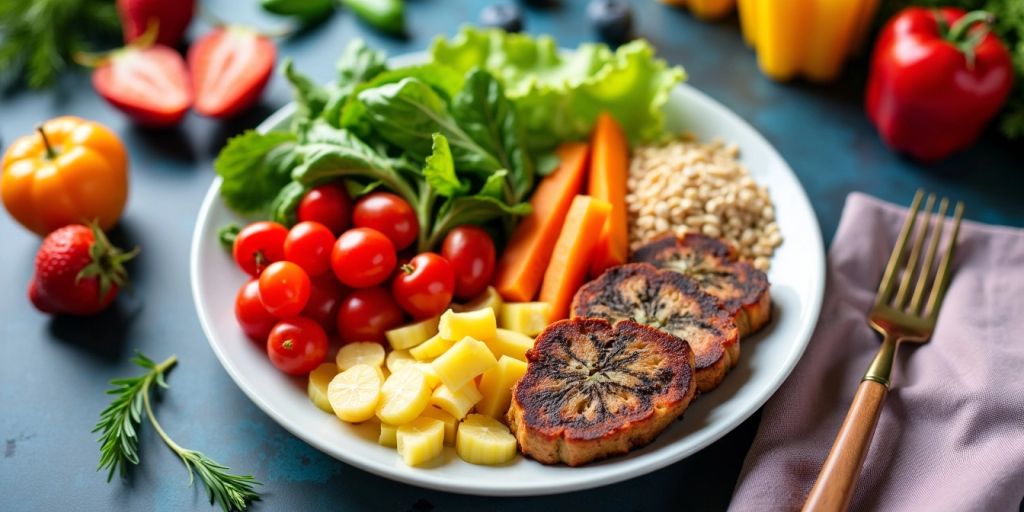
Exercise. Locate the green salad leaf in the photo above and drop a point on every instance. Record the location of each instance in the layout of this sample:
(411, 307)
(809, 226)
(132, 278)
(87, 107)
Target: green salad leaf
(439, 172)
(560, 95)
(255, 167)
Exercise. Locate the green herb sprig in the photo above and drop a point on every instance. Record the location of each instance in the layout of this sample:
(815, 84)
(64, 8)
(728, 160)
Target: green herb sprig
(119, 441)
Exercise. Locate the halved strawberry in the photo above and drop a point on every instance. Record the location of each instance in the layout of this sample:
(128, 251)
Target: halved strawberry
(230, 67)
(149, 84)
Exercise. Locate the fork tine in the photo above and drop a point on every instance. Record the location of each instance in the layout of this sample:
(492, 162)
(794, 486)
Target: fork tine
(903, 292)
(929, 258)
(889, 277)
(942, 278)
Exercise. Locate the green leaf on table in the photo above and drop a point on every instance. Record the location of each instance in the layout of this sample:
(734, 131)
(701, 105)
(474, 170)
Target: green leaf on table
(439, 171)
(254, 167)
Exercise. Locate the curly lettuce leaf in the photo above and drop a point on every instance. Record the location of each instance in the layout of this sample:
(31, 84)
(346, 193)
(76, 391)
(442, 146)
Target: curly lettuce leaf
(560, 95)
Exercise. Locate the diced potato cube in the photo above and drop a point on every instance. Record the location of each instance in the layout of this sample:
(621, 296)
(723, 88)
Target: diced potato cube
(411, 335)
(354, 393)
(388, 435)
(529, 318)
(403, 396)
(362, 352)
(510, 343)
(464, 361)
(430, 373)
(431, 348)
(397, 359)
(484, 440)
(450, 423)
(319, 379)
(420, 440)
(496, 387)
(458, 402)
(480, 324)
(489, 299)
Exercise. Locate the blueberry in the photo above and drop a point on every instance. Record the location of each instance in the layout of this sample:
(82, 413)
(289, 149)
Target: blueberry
(504, 16)
(613, 19)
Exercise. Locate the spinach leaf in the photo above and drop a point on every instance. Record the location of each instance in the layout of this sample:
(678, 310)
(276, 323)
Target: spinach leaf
(439, 171)
(489, 118)
(254, 167)
(409, 112)
(310, 98)
(476, 209)
(360, 63)
(282, 208)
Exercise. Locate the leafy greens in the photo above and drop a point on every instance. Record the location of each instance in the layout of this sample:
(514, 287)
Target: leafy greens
(460, 138)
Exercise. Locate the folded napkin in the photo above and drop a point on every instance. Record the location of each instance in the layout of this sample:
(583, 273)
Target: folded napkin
(951, 434)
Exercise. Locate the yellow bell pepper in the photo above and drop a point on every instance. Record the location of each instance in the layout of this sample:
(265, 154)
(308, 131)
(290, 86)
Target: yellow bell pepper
(706, 9)
(809, 38)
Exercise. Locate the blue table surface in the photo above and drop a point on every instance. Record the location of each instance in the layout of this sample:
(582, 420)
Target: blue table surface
(53, 371)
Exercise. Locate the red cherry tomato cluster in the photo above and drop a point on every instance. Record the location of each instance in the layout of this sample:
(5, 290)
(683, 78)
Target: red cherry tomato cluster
(339, 270)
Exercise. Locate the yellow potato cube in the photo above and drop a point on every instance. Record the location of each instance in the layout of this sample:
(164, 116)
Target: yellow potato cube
(450, 423)
(411, 335)
(397, 359)
(430, 373)
(319, 379)
(458, 402)
(431, 348)
(480, 324)
(388, 435)
(354, 393)
(464, 361)
(420, 440)
(489, 299)
(485, 441)
(496, 386)
(403, 396)
(529, 318)
(510, 343)
(363, 352)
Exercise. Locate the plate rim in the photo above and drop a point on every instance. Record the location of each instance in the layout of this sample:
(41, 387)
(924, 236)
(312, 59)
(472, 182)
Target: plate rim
(430, 480)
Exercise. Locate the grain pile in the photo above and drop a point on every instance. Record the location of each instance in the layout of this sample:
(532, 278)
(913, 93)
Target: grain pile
(689, 186)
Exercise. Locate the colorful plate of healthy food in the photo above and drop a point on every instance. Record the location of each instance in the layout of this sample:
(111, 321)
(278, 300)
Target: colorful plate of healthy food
(499, 268)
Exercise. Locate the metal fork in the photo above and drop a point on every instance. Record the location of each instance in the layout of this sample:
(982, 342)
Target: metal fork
(897, 321)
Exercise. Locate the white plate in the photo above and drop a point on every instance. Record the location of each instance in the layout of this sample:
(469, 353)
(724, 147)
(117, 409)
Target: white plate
(797, 278)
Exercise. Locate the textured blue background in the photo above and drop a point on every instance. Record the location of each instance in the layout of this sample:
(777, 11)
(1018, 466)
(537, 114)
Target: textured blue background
(53, 371)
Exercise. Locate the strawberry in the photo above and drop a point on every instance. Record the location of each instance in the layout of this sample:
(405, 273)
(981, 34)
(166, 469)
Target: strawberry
(77, 272)
(171, 16)
(150, 84)
(230, 67)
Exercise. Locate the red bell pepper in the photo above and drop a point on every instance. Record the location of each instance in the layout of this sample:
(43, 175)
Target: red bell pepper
(937, 77)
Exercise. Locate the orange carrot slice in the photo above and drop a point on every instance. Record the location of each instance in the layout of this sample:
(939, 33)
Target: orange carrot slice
(573, 252)
(524, 260)
(609, 166)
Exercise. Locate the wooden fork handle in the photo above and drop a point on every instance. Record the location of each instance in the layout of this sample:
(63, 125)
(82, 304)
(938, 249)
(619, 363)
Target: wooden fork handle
(838, 477)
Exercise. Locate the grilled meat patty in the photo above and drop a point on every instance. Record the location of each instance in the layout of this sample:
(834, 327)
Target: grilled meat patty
(671, 302)
(593, 390)
(713, 264)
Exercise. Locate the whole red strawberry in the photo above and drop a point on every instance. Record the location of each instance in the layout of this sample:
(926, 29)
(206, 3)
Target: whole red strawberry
(78, 271)
(172, 17)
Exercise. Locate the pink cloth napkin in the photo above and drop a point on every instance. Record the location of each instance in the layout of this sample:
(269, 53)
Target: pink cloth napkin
(951, 434)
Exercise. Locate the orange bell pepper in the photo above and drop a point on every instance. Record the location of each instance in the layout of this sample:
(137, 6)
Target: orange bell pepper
(70, 171)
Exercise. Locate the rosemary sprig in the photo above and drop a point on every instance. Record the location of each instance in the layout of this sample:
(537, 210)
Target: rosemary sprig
(119, 440)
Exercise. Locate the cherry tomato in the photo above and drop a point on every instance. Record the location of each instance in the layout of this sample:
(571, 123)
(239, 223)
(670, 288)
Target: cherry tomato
(325, 296)
(471, 250)
(424, 286)
(309, 245)
(363, 257)
(259, 244)
(255, 320)
(366, 313)
(297, 345)
(284, 289)
(388, 214)
(329, 205)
